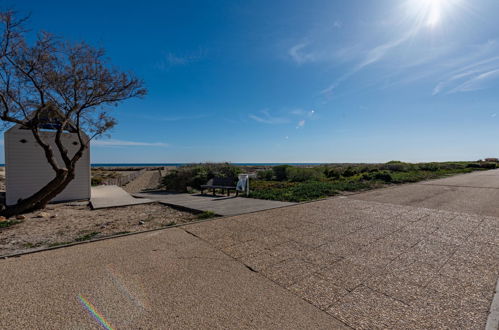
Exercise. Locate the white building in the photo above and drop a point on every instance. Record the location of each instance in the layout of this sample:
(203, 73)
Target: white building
(27, 169)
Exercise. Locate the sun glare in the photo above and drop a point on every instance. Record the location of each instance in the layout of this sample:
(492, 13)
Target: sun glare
(435, 13)
(431, 13)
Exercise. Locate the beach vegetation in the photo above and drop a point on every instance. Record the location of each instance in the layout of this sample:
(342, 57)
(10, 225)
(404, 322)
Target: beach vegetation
(193, 176)
(299, 184)
(206, 215)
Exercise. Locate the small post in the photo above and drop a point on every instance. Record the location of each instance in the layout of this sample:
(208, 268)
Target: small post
(247, 186)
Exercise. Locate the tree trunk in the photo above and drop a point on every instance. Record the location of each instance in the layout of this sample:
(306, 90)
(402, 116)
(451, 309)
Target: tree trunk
(40, 199)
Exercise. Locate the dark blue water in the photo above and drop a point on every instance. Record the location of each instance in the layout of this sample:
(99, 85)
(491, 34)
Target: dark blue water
(183, 164)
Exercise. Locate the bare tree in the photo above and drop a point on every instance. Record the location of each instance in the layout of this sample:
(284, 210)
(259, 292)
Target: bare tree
(68, 85)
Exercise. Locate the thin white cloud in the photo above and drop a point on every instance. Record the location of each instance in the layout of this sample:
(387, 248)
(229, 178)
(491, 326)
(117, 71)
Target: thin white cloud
(170, 59)
(477, 82)
(302, 112)
(299, 56)
(468, 77)
(122, 143)
(267, 118)
(372, 56)
(301, 123)
(175, 118)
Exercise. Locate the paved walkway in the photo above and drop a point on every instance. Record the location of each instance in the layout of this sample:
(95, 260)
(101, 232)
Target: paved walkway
(160, 280)
(371, 265)
(113, 196)
(221, 205)
(148, 180)
(474, 193)
(339, 262)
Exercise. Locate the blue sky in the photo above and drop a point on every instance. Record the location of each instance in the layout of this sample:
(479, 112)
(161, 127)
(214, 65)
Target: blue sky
(294, 81)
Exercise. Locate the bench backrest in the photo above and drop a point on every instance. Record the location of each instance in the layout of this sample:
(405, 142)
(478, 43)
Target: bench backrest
(219, 181)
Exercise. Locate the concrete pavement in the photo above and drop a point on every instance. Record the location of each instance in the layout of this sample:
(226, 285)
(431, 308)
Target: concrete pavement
(113, 196)
(379, 259)
(160, 280)
(371, 265)
(221, 205)
(474, 193)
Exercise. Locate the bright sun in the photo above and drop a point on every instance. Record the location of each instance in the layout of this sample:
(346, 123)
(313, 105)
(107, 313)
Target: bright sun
(431, 12)
(435, 12)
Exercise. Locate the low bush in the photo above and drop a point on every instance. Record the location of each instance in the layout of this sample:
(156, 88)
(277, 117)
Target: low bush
(488, 165)
(8, 223)
(384, 176)
(303, 191)
(179, 180)
(265, 175)
(206, 215)
(303, 174)
(96, 181)
(397, 166)
(333, 173)
(429, 167)
(281, 172)
(349, 172)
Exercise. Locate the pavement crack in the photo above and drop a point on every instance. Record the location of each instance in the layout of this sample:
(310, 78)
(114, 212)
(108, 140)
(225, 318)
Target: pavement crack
(251, 268)
(191, 233)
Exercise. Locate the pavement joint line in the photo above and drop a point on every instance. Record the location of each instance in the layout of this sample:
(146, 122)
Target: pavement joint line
(493, 318)
(267, 278)
(454, 185)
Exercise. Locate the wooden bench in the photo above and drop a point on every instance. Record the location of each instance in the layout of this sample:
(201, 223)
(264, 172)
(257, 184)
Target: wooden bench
(220, 183)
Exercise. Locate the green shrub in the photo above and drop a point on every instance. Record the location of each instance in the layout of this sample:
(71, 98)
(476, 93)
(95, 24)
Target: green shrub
(8, 223)
(383, 176)
(333, 173)
(488, 165)
(96, 181)
(206, 215)
(265, 175)
(280, 172)
(473, 165)
(303, 174)
(194, 176)
(432, 167)
(177, 180)
(349, 172)
(397, 166)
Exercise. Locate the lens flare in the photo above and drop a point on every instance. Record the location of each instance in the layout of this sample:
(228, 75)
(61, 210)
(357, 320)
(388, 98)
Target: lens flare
(96, 315)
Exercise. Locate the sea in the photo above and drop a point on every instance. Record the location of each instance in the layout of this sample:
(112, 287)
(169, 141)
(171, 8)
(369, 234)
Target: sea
(184, 164)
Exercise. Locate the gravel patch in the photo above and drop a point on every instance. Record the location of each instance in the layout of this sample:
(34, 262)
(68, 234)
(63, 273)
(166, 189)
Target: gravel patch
(65, 223)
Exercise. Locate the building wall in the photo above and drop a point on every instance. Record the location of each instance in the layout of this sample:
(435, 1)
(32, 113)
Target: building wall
(27, 169)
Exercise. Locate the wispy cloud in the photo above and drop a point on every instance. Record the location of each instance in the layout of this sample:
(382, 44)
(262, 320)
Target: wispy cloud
(301, 123)
(176, 118)
(122, 143)
(300, 56)
(472, 73)
(266, 118)
(372, 56)
(302, 112)
(171, 59)
(477, 82)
